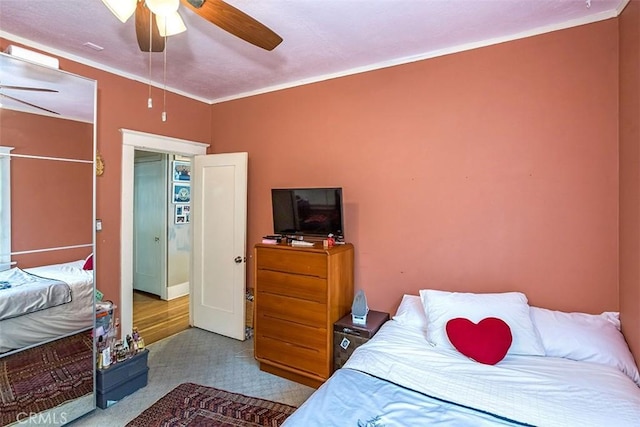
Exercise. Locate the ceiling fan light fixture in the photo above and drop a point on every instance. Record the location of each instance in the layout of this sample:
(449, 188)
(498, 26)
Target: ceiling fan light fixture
(163, 7)
(122, 9)
(196, 3)
(170, 25)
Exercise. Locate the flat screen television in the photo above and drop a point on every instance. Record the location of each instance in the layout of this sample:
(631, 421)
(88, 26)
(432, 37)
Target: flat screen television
(307, 211)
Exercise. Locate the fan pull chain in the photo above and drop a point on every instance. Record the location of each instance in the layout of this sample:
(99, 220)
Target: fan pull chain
(149, 100)
(164, 80)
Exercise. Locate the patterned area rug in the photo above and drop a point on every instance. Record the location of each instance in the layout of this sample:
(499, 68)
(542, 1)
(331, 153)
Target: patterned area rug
(196, 405)
(46, 376)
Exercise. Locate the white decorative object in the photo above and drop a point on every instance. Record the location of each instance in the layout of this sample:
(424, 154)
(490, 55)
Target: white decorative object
(359, 309)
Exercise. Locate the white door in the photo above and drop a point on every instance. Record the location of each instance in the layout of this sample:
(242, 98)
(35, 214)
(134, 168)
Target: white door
(219, 223)
(149, 224)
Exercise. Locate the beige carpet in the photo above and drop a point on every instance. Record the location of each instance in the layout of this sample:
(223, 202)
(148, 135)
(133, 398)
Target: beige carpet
(203, 358)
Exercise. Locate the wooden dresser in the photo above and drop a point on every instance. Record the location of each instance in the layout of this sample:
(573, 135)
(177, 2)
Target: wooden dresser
(300, 292)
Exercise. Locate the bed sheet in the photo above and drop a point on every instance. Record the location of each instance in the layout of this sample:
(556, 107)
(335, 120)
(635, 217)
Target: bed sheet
(44, 325)
(353, 398)
(530, 390)
(22, 292)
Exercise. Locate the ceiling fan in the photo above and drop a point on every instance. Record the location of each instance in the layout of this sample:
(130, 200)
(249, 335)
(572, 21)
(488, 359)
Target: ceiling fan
(157, 19)
(33, 89)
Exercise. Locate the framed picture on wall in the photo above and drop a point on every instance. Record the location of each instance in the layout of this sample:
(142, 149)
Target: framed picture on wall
(181, 193)
(181, 171)
(182, 215)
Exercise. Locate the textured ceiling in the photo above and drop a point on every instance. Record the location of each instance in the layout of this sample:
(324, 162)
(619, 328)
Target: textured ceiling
(322, 38)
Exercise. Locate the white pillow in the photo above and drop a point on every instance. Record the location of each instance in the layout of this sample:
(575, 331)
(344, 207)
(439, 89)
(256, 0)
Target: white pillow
(511, 307)
(411, 313)
(585, 337)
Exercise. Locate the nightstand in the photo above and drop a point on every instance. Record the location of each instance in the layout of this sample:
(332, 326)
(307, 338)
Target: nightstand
(348, 336)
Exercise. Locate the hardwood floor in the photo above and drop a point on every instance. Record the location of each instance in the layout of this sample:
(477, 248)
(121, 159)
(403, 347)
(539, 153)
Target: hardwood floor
(157, 319)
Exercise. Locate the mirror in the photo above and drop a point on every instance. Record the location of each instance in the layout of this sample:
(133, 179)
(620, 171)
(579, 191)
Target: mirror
(47, 217)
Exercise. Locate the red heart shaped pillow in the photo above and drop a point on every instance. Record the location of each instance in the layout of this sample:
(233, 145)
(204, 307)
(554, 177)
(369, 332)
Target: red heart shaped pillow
(88, 263)
(486, 342)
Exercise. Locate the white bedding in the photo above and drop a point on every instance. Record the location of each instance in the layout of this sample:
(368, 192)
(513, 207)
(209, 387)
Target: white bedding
(23, 292)
(43, 325)
(535, 390)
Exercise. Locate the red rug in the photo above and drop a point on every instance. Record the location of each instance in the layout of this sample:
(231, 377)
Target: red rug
(196, 405)
(46, 376)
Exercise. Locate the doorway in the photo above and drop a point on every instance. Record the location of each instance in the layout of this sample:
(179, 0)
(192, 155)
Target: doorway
(161, 246)
(131, 142)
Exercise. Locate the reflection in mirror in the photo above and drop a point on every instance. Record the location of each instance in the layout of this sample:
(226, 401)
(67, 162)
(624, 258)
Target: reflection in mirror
(47, 217)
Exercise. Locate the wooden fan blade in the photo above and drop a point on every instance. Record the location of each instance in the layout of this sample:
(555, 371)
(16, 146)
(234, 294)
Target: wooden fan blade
(144, 19)
(29, 104)
(36, 89)
(235, 22)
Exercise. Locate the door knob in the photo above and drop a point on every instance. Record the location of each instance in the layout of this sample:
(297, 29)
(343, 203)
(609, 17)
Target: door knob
(157, 239)
(238, 259)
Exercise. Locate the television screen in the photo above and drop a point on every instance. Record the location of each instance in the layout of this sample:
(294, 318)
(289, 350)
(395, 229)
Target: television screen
(307, 211)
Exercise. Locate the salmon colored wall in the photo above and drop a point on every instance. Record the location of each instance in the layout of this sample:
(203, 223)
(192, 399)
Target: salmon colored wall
(489, 170)
(51, 204)
(630, 175)
(45, 135)
(51, 257)
(51, 201)
(122, 103)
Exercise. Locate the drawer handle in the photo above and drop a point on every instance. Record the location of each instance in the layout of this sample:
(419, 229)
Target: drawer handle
(351, 331)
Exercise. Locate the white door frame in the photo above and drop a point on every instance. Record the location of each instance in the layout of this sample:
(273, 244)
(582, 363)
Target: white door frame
(131, 141)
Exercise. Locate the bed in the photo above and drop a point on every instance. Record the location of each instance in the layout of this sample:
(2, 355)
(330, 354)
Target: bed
(581, 372)
(62, 303)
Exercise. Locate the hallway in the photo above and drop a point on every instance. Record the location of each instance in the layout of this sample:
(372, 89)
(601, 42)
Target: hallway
(157, 319)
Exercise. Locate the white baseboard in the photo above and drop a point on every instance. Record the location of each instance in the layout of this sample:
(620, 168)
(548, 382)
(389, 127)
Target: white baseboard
(177, 291)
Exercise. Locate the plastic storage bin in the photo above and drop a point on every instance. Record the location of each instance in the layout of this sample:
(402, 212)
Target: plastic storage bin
(121, 379)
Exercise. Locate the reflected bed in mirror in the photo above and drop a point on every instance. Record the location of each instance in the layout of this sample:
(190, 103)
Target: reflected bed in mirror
(47, 217)
(43, 303)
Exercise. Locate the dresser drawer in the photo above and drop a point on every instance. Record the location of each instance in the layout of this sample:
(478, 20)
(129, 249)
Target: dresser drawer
(297, 286)
(295, 262)
(292, 309)
(299, 293)
(293, 333)
(306, 359)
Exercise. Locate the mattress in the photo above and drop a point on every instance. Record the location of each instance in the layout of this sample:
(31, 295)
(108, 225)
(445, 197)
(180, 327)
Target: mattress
(74, 316)
(397, 378)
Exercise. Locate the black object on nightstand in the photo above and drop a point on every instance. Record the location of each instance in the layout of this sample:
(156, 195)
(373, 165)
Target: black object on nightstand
(121, 379)
(347, 336)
